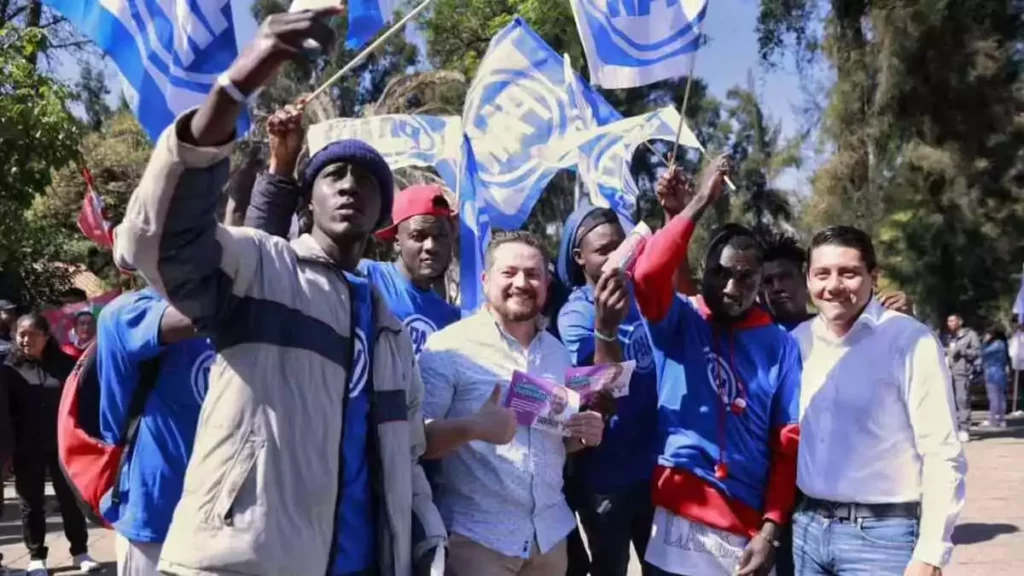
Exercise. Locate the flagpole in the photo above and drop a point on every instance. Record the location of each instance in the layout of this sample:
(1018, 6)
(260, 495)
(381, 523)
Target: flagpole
(364, 54)
(682, 111)
(682, 122)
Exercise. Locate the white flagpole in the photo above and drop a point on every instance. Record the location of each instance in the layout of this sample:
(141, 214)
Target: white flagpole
(365, 53)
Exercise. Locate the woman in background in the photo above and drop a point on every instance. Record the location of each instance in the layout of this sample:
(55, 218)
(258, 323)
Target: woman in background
(995, 360)
(34, 375)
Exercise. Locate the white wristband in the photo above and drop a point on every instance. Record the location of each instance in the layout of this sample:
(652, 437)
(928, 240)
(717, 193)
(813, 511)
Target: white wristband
(224, 82)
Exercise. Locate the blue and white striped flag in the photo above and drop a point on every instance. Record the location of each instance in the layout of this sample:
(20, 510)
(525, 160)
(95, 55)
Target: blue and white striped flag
(516, 113)
(637, 42)
(403, 139)
(169, 52)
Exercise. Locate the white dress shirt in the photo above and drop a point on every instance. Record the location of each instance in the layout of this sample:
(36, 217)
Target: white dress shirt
(502, 497)
(876, 424)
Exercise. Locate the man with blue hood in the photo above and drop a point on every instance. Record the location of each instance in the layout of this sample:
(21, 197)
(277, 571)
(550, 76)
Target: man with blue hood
(600, 323)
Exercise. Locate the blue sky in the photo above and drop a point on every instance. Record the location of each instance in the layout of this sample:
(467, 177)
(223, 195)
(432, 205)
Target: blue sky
(723, 63)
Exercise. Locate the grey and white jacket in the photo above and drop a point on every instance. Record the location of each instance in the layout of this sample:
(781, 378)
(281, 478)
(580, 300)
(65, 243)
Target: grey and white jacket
(262, 485)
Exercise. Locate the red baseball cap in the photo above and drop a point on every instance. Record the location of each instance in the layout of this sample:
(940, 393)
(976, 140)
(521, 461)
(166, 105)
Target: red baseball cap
(418, 200)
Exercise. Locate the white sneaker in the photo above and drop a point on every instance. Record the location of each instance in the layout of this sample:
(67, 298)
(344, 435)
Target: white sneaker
(37, 568)
(986, 424)
(963, 436)
(86, 564)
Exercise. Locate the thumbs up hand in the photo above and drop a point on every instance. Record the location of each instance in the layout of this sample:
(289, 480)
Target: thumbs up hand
(494, 423)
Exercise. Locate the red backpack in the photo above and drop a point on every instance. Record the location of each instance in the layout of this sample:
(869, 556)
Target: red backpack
(91, 466)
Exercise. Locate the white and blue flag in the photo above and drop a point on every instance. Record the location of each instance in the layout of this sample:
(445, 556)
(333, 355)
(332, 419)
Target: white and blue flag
(637, 42)
(516, 114)
(169, 52)
(474, 229)
(607, 151)
(403, 139)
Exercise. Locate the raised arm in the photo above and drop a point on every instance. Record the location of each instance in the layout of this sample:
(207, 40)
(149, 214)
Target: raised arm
(170, 233)
(930, 405)
(276, 193)
(662, 256)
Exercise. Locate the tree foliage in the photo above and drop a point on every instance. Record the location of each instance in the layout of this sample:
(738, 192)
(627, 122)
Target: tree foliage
(37, 134)
(923, 122)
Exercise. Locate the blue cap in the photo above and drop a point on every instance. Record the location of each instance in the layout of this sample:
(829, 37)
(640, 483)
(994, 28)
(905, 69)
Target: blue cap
(359, 153)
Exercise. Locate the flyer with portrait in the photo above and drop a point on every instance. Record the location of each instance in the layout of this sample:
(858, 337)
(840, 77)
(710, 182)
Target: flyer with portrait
(589, 380)
(541, 404)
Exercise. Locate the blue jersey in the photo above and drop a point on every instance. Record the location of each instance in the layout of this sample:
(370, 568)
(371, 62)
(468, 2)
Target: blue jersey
(626, 454)
(422, 312)
(128, 334)
(354, 531)
(723, 395)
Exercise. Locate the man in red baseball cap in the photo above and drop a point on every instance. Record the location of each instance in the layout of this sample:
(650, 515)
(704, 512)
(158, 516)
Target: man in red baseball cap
(424, 234)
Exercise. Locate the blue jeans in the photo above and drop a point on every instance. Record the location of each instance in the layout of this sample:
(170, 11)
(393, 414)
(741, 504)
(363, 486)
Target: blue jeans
(867, 547)
(612, 522)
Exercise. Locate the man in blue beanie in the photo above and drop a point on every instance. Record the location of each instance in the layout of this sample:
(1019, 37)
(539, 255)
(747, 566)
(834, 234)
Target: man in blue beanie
(306, 458)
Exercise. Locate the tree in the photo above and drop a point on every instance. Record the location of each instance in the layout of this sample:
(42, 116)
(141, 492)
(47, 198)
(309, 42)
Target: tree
(37, 134)
(923, 124)
(760, 157)
(92, 93)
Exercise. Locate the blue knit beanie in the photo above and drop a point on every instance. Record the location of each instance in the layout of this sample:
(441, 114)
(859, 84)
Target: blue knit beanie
(354, 152)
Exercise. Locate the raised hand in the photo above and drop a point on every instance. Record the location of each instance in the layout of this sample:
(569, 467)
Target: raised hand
(285, 132)
(611, 301)
(674, 191)
(494, 423)
(713, 178)
(279, 40)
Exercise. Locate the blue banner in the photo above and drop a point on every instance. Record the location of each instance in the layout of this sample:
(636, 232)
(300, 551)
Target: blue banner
(168, 52)
(637, 42)
(516, 114)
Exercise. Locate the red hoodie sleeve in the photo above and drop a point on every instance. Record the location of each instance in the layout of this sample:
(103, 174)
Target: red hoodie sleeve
(780, 492)
(655, 265)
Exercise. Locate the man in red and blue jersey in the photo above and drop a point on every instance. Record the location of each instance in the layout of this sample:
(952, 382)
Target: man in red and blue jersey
(728, 400)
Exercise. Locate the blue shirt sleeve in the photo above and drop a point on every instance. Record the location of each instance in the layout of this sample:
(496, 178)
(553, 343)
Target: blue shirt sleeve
(786, 402)
(128, 333)
(576, 328)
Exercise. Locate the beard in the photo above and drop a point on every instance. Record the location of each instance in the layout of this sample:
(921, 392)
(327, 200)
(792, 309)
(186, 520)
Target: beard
(516, 310)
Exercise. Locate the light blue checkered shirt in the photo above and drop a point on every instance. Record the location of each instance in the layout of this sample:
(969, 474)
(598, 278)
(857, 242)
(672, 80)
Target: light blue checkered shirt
(502, 497)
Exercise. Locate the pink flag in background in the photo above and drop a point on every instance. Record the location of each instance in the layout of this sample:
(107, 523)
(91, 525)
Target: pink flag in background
(91, 220)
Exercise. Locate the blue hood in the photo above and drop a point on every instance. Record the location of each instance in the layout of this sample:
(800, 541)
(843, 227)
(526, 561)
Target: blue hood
(569, 272)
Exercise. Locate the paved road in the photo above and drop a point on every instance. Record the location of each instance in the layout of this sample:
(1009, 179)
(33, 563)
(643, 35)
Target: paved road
(990, 536)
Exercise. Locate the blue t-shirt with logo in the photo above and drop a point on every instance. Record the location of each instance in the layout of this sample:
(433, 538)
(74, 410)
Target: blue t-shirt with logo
(128, 334)
(422, 312)
(626, 455)
(354, 531)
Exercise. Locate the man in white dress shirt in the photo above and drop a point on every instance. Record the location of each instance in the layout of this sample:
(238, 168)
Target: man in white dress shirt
(880, 464)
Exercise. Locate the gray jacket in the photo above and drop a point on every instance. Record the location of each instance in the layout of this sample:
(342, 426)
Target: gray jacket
(964, 352)
(263, 481)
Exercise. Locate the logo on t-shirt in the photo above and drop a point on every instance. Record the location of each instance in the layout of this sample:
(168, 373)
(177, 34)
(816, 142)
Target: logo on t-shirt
(200, 374)
(638, 348)
(360, 365)
(722, 377)
(419, 328)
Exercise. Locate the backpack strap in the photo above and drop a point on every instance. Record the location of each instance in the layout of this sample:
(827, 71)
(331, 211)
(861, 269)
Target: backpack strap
(148, 374)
